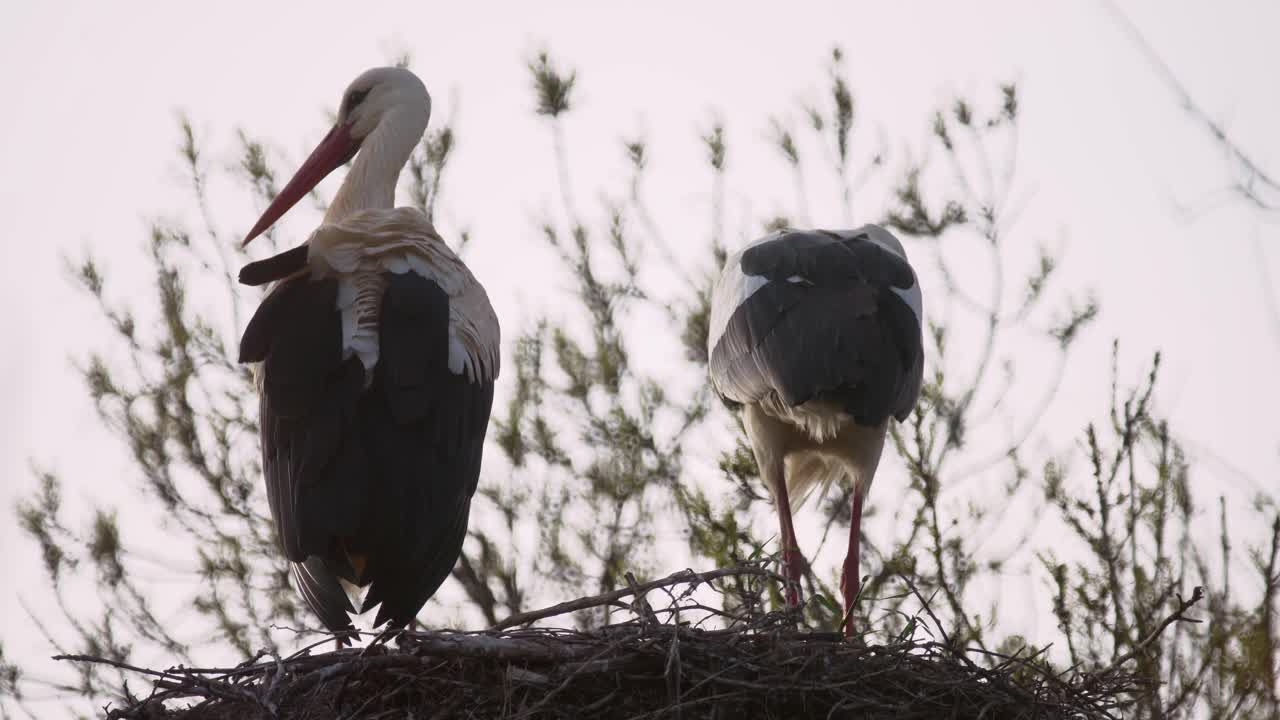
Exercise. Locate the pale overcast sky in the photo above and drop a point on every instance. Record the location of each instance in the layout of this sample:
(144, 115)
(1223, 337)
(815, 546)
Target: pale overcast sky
(88, 131)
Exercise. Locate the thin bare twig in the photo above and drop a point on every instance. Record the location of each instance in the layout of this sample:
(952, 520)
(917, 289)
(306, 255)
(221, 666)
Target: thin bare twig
(1178, 615)
(677, 578)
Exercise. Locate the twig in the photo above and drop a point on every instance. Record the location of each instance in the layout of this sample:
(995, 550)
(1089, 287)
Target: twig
(1253, 171)
(683, 576)
(925, 604)
(112, 663)
(1183, 606)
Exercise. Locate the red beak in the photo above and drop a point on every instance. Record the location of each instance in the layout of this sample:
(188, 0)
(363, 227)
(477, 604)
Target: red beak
(333, 151)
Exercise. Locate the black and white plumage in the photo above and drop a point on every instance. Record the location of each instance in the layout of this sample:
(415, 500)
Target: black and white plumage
(817, 336)
(377, 351)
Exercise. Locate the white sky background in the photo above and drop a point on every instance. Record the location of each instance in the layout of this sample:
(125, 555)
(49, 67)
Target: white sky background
(88, 135)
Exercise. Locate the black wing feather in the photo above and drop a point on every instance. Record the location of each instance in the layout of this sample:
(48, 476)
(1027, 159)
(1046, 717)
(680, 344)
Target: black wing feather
(322, 593)
(308, 399)
(827, 260)
(387, 470)
(431, 424)
(827, 325)
(276, 267)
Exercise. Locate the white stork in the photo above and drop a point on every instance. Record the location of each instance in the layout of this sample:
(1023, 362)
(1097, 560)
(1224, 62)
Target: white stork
(816, 335)
(376, 354)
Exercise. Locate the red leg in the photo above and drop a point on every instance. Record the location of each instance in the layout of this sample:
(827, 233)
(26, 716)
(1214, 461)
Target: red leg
(769, 437)
(792, 563)
(792, 560)
(850, 580)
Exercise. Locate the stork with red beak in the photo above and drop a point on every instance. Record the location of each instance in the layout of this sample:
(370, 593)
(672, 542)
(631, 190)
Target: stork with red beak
(816, 337)
(375, 356)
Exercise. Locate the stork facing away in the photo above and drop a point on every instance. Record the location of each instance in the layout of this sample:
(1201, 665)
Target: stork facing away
(816, 336)
(376, 353)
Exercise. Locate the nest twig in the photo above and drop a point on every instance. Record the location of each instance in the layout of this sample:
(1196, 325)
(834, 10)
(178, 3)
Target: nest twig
(686, 660)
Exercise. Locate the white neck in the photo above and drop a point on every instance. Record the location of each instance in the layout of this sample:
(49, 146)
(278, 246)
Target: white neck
(371, 182)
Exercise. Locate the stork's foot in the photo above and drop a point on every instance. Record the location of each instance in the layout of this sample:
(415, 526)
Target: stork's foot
(793, 571)
(389, 633)
(343, 638)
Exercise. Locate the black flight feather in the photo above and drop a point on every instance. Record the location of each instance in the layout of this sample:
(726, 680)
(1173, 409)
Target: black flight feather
(276, 267)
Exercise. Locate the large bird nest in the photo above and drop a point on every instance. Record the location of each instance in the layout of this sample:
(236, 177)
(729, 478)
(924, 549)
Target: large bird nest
(687, 660)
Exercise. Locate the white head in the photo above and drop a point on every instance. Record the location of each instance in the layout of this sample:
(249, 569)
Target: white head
(384, 95)
(386, 108)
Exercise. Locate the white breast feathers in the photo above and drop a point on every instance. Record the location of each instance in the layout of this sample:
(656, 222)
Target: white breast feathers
(362, 247)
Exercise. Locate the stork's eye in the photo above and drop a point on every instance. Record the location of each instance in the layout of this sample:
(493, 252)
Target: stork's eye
(355, 98)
